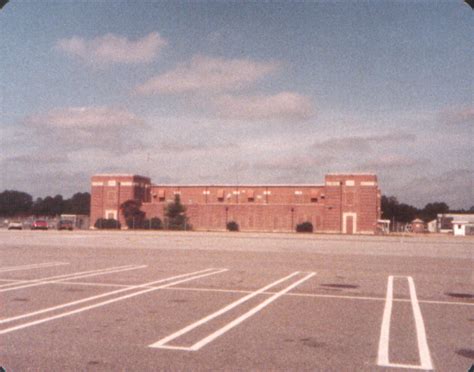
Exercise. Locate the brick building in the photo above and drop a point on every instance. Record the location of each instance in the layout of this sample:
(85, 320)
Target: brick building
(345, 203)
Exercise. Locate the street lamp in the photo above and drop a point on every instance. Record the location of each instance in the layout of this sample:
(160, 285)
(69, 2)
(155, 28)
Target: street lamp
(292, 218)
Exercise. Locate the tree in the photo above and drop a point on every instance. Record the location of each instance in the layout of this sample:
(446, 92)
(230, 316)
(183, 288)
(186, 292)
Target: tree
(13, 203)
(48, 206)
(79, 203)
(389, 206)
(394, 211)
(133, 215)
(431, 210)
(176, 215)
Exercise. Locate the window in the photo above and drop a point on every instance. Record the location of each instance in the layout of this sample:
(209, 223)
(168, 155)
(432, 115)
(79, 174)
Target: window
(161, 195)
(220, 195)
(314, 196)
(250, 196)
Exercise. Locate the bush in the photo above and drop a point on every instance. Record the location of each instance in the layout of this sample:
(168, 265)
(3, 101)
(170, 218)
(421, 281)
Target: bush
(305, 227)
(232, 226)
(152, 224)
(103, 223)
(175, 213)
(156, 224)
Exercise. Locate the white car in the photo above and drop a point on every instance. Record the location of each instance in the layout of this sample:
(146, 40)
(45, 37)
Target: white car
(13, 225)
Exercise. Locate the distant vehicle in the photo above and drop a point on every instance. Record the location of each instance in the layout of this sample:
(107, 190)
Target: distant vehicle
(39, 225)
(15, 226)
(65, 225)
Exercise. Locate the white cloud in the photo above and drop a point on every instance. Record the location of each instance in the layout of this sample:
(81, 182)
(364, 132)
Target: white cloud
(209, 75)
(76, 128)
(111, 48)
(86, 118)
(393, 162)
(361, 144)
(181, 147)
(455, 187)
(41, 157)
(282, 106)
(461, 115)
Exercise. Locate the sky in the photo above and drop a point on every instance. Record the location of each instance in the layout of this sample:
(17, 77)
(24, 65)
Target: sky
(238, 92)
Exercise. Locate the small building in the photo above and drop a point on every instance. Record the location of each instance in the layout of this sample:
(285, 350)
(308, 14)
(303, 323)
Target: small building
(417, 226)
(463, 228)
(432, 226)
(446, 221)
(383, 226)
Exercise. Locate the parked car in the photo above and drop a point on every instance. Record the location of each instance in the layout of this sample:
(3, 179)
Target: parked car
(39, 225)
(65, 225)
(14, 225)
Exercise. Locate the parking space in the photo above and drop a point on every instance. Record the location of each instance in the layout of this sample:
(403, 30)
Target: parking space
(178, 309)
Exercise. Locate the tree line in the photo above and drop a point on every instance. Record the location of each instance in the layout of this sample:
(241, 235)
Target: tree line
(404, 213)
(17, 203)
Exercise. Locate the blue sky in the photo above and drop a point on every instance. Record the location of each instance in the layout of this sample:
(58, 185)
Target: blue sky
(239, 92)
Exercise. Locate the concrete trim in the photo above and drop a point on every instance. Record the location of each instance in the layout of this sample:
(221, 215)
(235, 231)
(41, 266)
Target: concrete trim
(354, 222)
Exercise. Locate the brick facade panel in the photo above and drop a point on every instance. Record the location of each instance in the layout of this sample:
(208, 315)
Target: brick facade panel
(254, 207)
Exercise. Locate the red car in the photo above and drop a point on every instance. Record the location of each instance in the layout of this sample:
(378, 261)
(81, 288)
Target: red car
(39, 225)
(65, 225)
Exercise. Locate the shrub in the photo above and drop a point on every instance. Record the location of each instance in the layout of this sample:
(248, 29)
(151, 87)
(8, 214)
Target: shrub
(152, 224)
(305, 227)
(175, 213)
(103, 223)
(232, 226)
(156, 224)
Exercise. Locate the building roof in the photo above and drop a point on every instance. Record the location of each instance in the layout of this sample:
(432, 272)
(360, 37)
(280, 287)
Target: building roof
(352, 174)
(458, 216)
(240, 185)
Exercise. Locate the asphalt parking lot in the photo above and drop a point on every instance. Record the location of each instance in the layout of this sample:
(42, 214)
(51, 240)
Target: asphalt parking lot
(232, 301)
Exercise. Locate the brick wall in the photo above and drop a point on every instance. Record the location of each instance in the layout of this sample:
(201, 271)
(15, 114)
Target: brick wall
(345, 203)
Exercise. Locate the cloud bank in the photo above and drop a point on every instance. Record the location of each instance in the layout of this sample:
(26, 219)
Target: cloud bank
(282, 106)
(361, 144)
(207, 74)
(111, 48)
(462, 115)
(75, 128)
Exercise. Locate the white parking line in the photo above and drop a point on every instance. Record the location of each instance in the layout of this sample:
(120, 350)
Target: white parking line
(127, 288)
(79, 275)
(383, 351)
(203, 274)
(32, 266)
(162, 343)
(311, 295)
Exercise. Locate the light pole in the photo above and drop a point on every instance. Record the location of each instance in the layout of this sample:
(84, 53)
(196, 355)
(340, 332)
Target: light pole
(226, 216)
(292, 218)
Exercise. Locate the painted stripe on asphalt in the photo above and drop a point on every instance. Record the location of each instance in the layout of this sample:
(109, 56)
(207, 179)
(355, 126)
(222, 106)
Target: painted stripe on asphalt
(85, 308)
(383, 350)
(32, 266)
(79, 275)
(91, 298)
(162, 343)
(315, 295)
